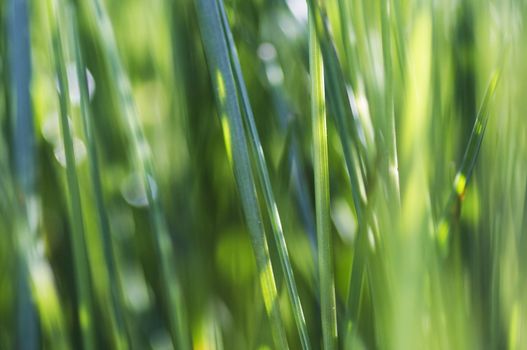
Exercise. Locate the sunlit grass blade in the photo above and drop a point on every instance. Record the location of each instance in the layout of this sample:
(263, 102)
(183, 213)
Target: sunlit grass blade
(321, 174)
(142, 160)
(398, 30)
(347, 32)
(355, 153)
(464, 173)
(118, 331)
(263, 176)
(217, 54)
(522, 242)
(389, 113)
(85, 311)
(354, 149)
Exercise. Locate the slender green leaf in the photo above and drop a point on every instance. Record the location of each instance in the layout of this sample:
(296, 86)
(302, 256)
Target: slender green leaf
(263, 175)
(24, 157)
(85, 311)
(217, 53)
(141, 157)
(391, 141)
(466, 168)
(321, 173)
(339, 103)
(35, 281)
(116, 295)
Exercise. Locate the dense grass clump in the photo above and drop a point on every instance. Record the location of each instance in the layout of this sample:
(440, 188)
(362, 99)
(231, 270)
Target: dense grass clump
(234, 174)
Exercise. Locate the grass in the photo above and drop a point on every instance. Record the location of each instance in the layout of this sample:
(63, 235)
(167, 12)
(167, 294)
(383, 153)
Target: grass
(321, 171)
(227, 174)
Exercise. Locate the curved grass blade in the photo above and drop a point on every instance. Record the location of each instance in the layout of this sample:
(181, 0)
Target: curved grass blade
(81, 265)
(321, 174)
(217, 54)
(141, 158)
(118, 332)
(263, 176)
(464, 173)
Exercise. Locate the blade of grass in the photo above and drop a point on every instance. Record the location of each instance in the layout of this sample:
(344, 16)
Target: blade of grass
(398, 30)
(24, 157)
(263, 176)
(347, 41)
(78, 239)
(355, 154)
(290, 127)
(118, 332)
(389, 113)
(35, 280)
(217, 54)
(141, 158)
(464, 173)
(339, 103)
(321, 174)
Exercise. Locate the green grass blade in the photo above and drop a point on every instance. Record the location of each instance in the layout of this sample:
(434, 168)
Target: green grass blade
(36, 281)
(290, 127)
(118, 332)
(81, 265)
(217, 54)
(464, 173)
(141, 158)
(389, 113)
(398, 30)
(339, 103)
(521, 243)
(24, 157)
(347, 41)
(263, 175)
(321, 174)
(355, 154)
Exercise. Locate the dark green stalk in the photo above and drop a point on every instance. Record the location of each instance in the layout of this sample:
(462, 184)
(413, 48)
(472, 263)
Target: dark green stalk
(141, 158)
(217, 54)
(339, 102)
(24, 157)
(116, 295)
(389, 114)
(263, 175)
(78, 239)
(464, 173)
(321, 174)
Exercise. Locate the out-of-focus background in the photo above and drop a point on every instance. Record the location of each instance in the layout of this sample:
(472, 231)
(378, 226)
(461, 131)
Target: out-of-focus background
(123, 216)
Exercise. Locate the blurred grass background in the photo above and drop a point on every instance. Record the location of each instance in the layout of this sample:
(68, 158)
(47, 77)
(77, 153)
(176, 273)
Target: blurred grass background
(234, 174)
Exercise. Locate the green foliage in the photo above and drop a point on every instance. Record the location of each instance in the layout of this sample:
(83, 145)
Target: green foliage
(170, 176)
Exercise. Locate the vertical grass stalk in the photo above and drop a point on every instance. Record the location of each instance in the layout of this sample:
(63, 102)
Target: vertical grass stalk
(24, 157)
(78, 239)
(389, 113)
(116, 301)
(141, 158)
(263, 176)
(217, 54)
(321, 174)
